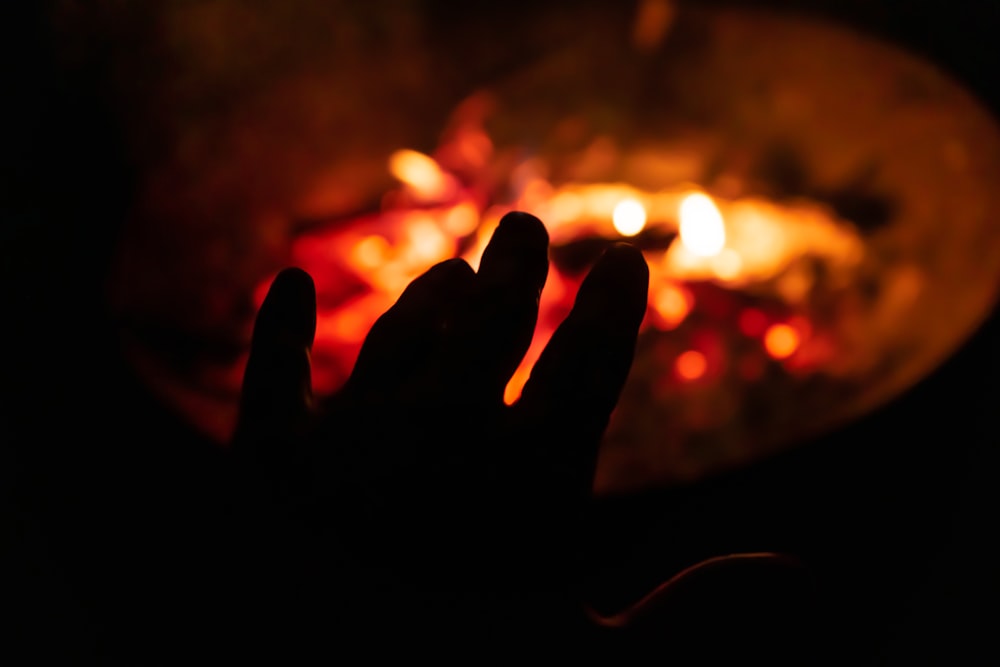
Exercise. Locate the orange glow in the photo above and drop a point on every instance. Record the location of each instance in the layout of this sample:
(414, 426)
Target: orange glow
(671, 304)
(475, 147)
(802, 325)
(565, 207)
(370, 252)
(702, 230)
(462, 220)
(600, 200)
(446, 205)
(727, 264)
(427, 243)
(488, 225)
(653, 21)
(781, 341)
(350, 325)
(629, 217)
(420, 172)
(536, 192)
(691, 365)
(512, 391)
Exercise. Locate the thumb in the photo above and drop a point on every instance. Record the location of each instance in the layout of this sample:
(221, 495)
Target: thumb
(277, 384)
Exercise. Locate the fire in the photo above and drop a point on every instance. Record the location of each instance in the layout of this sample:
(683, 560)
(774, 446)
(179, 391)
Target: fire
(671, 304)
(629, 217)
(702, 230)
(426, 242)
(449, 204)
(370, 252)
(781, 341)
(691, 365)
(462, 220)
(421, 173)
(728, 264)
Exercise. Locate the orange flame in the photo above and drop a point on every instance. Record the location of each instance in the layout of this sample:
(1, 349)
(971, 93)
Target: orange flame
(733, 242)
(421, 173)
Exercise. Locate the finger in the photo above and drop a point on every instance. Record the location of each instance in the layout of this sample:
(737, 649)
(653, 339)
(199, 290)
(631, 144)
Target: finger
(408, 338)
(577, 380)
(497, 326)
(277, 387)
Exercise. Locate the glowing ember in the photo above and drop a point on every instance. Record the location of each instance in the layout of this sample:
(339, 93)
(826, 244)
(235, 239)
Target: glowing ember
(691, 365)
(702, 230)
(722, 272)
(629, 217)
(781, 341)
(736, 243)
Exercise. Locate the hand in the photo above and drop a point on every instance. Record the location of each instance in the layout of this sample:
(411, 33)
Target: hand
(418, 452)
(417, 477)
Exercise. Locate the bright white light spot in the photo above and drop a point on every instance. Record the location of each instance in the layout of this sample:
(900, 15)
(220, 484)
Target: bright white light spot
(629, 217)
(702, 229)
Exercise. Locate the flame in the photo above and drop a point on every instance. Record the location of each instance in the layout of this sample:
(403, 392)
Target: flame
(629, 217)
(451, 204)
(421, 173)
(702, 230)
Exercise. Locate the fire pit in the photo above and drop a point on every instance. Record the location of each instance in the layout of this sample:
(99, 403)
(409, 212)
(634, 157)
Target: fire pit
(815, 207)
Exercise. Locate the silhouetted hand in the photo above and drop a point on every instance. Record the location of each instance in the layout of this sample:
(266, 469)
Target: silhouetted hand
(415, 493)
(423, 471)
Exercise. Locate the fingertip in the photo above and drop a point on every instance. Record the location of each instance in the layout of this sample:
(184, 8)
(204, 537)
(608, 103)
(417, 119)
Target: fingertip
(441, 282)
(290, 306)
(618, 284)
(625, 253)
(518, 252)
(626, 264)
(527, 226)
(277, 383)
